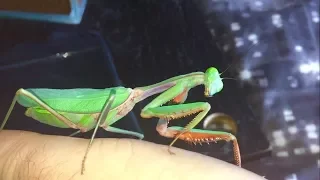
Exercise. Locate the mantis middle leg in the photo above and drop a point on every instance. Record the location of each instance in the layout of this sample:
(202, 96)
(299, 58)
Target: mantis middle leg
(102, 116)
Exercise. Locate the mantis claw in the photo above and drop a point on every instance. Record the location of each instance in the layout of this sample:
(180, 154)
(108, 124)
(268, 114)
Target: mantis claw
(171, 152)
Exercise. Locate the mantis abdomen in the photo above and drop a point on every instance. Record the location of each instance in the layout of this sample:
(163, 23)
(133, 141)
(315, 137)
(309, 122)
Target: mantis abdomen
(83, 100)
(44, 116)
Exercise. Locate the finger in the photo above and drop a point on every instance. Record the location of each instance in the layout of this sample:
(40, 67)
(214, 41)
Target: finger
(30, 156)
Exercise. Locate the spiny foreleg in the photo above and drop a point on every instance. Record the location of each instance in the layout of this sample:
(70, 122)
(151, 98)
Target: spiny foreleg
(172, 112)
(178, 94)
(199, 136)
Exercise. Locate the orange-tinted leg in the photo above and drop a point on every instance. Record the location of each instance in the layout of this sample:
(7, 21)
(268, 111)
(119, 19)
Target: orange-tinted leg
(199, 136)
(187, 133)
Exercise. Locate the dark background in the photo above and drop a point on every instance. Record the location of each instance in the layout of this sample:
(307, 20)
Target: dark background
(137, 43)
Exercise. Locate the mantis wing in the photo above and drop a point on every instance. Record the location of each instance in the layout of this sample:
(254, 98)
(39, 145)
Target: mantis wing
(75, 100)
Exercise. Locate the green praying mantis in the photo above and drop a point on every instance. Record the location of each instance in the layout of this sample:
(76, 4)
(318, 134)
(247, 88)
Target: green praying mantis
(87, 109)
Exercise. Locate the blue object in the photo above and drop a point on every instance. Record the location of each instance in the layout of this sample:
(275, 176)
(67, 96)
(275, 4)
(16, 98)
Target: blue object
(75, 16)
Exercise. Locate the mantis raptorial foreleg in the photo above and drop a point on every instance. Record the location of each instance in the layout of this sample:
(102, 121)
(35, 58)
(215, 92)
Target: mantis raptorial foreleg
(178, 94)
(181, 110)
(199, 136)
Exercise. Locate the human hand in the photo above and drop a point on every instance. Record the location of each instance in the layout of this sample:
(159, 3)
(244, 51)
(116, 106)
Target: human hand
(27, 155)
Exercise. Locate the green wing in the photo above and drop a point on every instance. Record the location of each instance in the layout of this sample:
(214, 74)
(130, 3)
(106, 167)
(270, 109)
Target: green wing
(75, 100)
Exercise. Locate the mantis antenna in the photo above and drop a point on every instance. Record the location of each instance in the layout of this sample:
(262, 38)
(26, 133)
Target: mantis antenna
(225, 69)
(230, 78)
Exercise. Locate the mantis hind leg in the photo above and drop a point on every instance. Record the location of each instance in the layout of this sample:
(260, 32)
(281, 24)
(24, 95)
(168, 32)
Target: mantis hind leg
(9, 111)
(43, 105)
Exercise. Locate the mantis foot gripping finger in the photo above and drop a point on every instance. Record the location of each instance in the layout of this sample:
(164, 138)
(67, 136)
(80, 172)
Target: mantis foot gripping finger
(122, 131)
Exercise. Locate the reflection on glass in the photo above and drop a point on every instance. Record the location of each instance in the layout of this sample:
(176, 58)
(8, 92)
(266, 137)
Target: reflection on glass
(221, 122)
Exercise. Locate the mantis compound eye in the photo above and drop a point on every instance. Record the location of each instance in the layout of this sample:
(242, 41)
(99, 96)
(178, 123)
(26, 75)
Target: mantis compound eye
(220, 121)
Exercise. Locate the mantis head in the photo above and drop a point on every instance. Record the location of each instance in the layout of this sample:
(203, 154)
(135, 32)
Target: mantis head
(212, 82)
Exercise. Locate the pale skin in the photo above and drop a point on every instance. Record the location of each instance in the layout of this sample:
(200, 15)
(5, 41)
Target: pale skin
(28, 155)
